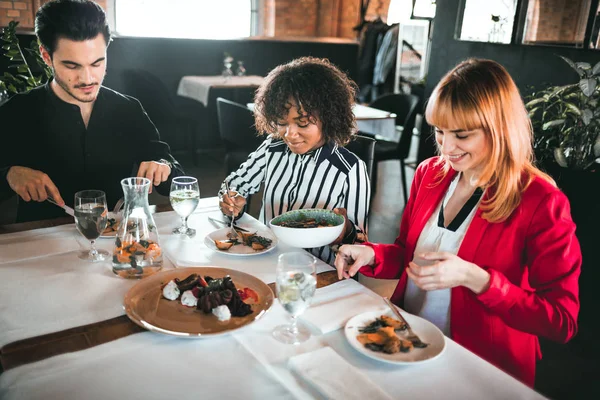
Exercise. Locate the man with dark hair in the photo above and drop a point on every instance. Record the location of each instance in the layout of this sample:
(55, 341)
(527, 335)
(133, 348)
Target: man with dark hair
(73, 133)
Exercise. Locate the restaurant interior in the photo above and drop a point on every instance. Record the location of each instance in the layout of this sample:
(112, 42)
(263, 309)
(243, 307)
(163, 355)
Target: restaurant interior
(179, 57)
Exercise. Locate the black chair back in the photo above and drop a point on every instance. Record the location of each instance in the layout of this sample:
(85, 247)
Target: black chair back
(364, 148)
(236, 126)
(405, 108)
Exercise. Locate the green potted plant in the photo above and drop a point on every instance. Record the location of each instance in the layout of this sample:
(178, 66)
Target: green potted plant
(566, 121)
(26, 75)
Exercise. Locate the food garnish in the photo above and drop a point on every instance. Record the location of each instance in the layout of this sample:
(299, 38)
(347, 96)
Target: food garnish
(208, 294)
(252, 240)
(380, 335)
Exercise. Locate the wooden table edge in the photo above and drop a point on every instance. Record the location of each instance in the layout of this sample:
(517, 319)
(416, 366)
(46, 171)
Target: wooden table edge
(84, 337)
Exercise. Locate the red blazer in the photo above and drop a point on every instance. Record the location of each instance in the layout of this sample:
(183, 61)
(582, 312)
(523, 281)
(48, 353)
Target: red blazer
(534, 261)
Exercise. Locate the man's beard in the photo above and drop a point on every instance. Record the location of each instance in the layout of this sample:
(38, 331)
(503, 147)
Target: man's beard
(68, 90)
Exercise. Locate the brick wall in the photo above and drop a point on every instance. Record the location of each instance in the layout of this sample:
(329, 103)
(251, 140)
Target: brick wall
(313, 18)
(24, 11)
(17, 10)
(556, 21)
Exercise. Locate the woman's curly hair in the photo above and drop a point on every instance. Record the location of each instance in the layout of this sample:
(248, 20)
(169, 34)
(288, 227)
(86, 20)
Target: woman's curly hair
(319, 87)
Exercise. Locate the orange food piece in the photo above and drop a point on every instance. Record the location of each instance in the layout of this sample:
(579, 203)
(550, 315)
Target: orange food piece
(247, 293)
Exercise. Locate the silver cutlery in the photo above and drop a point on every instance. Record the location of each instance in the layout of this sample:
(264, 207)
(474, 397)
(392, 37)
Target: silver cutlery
(411, 336)
(67, 209)
(232, 233)
(218, 221)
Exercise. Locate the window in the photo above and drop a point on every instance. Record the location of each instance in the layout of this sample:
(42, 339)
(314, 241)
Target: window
(198, 19)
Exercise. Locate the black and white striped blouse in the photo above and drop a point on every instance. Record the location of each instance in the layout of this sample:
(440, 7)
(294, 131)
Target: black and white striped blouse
(327, 177)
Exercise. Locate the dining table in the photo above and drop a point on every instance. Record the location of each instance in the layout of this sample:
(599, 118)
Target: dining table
(64, 333)
(198, 87)
(377, 123)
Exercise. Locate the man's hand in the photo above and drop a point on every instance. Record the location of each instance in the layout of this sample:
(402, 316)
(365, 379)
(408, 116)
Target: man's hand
(32, 184)
(156, 171)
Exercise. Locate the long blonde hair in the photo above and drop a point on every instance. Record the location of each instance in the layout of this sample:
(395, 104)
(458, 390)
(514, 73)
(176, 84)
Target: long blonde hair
(480, 94)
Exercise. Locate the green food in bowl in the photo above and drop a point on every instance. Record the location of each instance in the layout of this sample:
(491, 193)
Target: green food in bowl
(308, 218)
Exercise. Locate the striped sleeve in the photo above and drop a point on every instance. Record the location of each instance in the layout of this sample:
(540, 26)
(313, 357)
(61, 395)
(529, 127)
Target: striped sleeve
(358, 196)
(247, 179)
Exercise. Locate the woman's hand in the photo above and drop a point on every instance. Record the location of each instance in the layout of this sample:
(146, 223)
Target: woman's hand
(350, 258)
(442, 270)
(347, 225)
(231, 203)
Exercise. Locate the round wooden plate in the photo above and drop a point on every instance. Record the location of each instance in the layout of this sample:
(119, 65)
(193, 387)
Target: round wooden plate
(146, 307)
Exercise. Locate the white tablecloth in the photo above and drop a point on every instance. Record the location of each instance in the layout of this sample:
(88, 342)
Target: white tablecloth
(42, 294)
(249, 364)
(198, 87)
(48, 294)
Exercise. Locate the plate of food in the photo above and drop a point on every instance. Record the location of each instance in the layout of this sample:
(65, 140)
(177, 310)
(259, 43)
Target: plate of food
(379, 335)
(198, 302)
(112, 225)
(249, 243)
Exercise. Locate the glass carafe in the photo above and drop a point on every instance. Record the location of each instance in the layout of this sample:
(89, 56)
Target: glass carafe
(137, 251)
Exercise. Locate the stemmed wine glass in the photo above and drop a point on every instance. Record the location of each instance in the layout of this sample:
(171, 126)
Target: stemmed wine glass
(184, 197)
(91, 217)
(296, 282)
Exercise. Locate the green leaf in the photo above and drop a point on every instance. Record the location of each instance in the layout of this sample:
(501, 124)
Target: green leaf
(583, 65)
(535, 102)
(587, 116)
(588, 86)
(596, 69)
(13, 89)
(573, 108)
(550, 124)
(560, 158)
(6, 47)
(572, 64)
(23, 68)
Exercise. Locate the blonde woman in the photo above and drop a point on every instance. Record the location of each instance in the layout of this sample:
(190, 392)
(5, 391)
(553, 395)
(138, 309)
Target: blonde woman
(487, 248)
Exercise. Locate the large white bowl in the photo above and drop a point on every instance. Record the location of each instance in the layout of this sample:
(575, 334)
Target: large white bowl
(307, 238)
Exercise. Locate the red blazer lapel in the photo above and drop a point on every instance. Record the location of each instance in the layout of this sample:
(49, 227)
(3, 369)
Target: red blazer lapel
(428, 198)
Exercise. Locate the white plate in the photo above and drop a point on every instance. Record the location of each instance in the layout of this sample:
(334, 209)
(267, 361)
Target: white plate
(239, 249)
(427, 332)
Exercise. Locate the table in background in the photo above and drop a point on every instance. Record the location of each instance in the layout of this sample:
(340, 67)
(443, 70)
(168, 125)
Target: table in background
(206, 89)
(91, 364)
(379, 123)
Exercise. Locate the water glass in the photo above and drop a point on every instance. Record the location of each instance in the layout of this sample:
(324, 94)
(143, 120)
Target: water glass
(184, 197)
(91, 217)
(296, 282)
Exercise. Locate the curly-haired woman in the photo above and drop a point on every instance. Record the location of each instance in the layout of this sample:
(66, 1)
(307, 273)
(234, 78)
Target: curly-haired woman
(305, 109)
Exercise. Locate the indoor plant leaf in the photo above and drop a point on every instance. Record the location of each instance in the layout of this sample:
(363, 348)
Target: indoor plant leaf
(587, 116)
(587, 86)
(560, 158)
(550, 124)
(596, 69)
(572, 64)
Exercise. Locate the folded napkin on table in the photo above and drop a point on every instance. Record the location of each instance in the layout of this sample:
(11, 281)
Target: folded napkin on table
(333, 377)
(334, 305)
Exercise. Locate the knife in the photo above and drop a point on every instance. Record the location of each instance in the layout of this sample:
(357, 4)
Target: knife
(215, 221)
(67, 209)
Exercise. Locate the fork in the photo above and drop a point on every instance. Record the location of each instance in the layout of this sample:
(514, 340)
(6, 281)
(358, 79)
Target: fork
(232, 233)
(411, 336)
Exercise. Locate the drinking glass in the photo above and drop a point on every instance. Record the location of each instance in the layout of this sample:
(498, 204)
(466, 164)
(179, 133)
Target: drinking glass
(295, 282)
(91, 217)
(184, 197)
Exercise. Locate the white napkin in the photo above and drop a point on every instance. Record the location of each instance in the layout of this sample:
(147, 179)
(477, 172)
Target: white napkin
(335, 304)
(39, 243)
(335, 378)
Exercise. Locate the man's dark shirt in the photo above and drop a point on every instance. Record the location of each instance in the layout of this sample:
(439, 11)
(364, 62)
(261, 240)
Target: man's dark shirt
(42, 132)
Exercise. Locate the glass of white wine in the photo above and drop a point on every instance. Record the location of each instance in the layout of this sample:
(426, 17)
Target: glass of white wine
(184, 197)
(296, 282)
(91, 217)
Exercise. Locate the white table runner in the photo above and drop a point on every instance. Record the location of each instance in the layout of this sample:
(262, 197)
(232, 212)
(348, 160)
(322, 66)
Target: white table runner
(198, 87)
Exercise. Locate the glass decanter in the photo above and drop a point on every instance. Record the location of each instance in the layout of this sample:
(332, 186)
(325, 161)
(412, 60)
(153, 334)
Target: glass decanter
(137, 252)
